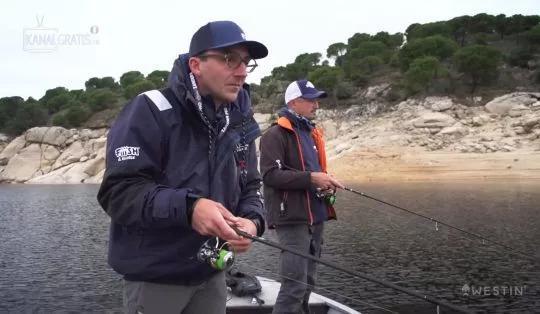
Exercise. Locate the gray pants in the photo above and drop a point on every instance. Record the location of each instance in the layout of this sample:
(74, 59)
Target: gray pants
(149, 298)
(295, 270)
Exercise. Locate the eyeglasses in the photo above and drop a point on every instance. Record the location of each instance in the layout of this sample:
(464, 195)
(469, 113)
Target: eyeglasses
(233, 60)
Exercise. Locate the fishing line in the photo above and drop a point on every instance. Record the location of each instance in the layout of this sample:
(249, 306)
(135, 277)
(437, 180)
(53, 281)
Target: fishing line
(350, 272)
(437, 222)
(442, 223)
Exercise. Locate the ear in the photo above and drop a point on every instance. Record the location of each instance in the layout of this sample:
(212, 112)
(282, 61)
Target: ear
(292, 104)
(195, 65)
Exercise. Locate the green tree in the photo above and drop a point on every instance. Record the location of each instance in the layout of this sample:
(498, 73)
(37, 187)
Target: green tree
(59, 119)
(518, 23)
(478, 62)
(357, 39)
(460, 28)
(269, 87)
(105, 82)
(531, 21)
(369, 64)
(294, 71)
(417, 31)
(138, 87)
(336, 51)
(421, 73)
(8, 109)
(101, 99)
(93, 82)
(278, 73)
(58, 102)
(326, 77)
(520, 57)
(130, 78)
(501, 25)
(28, 115)
(358, 70)
(52, 93)
(436, 46)
(159, 78)
(391, 41)
(76, 115)
(302, 65)
(344, 89)
(533, 36)
(78, 94)
(31, 100)
(308, 60)
(369, 48)
(482, 23)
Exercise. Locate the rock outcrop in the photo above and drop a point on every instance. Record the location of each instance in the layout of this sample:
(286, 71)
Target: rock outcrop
(54, 155)
(510, 123)
(438, 124)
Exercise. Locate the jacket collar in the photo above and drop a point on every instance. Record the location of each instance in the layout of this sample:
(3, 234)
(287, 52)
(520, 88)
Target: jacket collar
(296, 120)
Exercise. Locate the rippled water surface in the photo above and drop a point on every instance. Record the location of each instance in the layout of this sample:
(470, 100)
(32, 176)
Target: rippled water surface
(53, 242)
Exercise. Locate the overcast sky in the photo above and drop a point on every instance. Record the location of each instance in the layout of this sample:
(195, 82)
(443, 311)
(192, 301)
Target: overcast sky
(108, 38)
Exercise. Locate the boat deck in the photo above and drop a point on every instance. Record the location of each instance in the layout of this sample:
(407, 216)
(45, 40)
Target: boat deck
(270, 288)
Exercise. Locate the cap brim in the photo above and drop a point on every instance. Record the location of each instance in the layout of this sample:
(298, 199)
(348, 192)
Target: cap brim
(256, 49)
(317, 95)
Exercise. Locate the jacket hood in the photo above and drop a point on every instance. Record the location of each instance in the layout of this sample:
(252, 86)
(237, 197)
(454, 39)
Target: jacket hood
(179, 77)
(180, 84)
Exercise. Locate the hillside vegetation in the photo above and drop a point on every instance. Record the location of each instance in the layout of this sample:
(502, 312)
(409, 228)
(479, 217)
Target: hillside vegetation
(481, 55)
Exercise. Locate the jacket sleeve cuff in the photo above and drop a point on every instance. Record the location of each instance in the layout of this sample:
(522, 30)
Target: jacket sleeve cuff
(259, 224)
(307, 178)
(170, 205)
(191, 200)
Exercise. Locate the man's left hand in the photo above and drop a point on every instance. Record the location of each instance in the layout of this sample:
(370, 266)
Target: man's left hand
(247, 226)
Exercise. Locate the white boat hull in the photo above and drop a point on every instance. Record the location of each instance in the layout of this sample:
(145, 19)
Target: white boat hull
(270, 288)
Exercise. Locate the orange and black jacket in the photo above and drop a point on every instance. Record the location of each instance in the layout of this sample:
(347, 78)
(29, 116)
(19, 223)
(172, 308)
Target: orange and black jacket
(287, 184)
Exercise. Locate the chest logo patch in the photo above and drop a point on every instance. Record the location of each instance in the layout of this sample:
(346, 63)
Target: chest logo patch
(127, 153)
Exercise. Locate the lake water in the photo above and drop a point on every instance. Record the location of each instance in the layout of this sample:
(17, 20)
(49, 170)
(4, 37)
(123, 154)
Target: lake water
(53, 242)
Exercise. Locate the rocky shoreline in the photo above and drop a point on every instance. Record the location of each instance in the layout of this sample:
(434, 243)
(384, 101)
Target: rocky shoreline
(433, 138)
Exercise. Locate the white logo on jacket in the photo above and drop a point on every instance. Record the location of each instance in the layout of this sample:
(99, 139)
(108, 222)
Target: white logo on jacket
(126, 152)
(240, 148)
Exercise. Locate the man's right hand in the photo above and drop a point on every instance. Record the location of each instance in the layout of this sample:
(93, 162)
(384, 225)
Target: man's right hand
(324, 181)
(213, 219)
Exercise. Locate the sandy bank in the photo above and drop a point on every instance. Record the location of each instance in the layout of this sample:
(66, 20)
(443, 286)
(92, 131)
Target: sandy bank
(415, 165)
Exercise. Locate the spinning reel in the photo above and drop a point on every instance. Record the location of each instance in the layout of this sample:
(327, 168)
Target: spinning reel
(219, 257)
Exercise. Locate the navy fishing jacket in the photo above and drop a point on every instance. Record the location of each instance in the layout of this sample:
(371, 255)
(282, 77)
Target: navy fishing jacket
(160, 156)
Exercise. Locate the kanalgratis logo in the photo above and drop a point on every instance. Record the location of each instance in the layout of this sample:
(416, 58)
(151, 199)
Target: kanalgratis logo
(48, 39)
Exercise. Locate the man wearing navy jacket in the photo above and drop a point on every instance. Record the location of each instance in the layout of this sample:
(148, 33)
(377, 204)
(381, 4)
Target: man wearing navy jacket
(182, 168)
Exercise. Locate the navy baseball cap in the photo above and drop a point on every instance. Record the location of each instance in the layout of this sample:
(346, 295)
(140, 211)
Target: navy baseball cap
(304, 89)
(223, 34)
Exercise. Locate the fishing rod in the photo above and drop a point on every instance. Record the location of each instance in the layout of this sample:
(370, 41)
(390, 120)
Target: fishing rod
(350, 272)
(439, 222)
(536, 259)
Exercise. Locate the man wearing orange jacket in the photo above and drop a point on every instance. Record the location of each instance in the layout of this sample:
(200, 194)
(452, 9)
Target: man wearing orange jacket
(293, 165)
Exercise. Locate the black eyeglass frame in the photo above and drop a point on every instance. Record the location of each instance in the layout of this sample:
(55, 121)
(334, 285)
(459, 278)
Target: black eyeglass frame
(233, 60)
